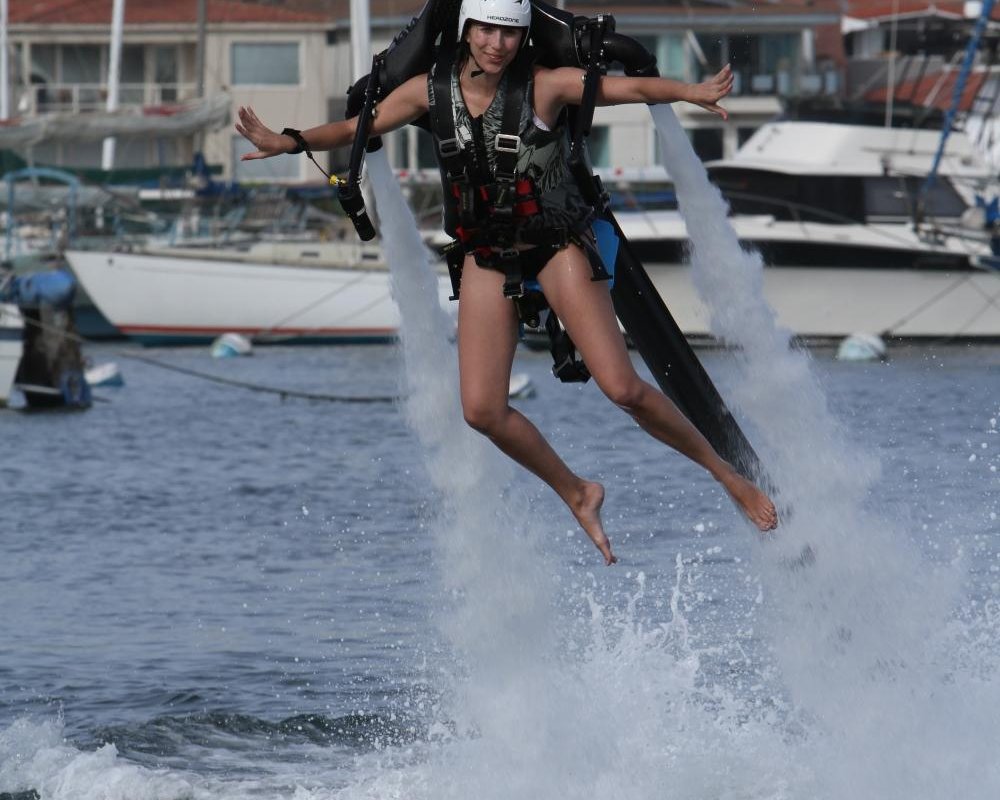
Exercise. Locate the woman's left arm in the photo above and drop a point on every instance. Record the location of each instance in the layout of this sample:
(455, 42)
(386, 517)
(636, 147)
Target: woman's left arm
(564, 86)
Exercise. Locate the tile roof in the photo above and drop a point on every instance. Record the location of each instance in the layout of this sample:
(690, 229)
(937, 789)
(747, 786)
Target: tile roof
(878, 9)
(152, 12)
(932, 91)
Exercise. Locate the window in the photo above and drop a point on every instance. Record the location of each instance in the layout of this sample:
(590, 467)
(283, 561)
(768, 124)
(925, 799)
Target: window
(133, 74)
(43, 63)
(165, 72)
(672, 56)
(426, 157)
(81, 63)
(707, 143)
(897, 197)
(278, 168)
(265, 64)
(743, 134)
(599, 145)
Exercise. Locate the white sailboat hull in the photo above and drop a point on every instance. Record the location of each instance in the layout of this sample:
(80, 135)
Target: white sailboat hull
(888, 281)
(11, 347)
(176, 297)
(823, 303)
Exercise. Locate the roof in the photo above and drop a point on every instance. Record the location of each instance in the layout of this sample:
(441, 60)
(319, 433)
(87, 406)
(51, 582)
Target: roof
(709, 11)
(153, 12)
(823, 148)
(886, 9)
(934, 91)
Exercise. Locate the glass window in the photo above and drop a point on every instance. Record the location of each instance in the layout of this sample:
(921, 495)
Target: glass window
(133, 74)
(896, 197)
(270, 64)
(81, 63)
(82, 154)
(426, 158)
(743, 134)
(707, 143)
(165, 72)
(712, 48)
(778, 51)
(672, 56)
(43, 63)
(599, 144)
(283, 167)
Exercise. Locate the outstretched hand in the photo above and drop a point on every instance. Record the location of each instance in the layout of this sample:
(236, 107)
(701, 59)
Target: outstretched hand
(707, 94)
(267, 142)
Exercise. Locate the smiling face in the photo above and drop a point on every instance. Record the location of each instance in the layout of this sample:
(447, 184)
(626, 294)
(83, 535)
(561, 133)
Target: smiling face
(493, 46)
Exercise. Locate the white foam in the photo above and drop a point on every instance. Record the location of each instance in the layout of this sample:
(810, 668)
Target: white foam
(34, 756)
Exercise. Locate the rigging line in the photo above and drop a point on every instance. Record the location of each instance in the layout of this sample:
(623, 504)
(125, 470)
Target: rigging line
(308, 307)
(255, 387)
(991, 301)
(205, 376)
(888, 330)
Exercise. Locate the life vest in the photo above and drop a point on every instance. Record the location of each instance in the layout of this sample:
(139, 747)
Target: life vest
(505, 180)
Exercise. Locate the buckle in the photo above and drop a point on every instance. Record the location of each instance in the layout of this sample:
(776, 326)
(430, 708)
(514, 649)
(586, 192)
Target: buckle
(506, 143)
(449, 147)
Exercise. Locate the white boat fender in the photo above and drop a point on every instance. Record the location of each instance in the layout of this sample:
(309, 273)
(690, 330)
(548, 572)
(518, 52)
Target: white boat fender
(231, 345)
(107, 374)
(520, 386)
(862, 347)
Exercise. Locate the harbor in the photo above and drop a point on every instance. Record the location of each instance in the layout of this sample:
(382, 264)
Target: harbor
(279, 532)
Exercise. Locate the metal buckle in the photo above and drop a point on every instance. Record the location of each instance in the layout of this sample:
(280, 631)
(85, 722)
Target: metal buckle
(449, 147)
(506, 143)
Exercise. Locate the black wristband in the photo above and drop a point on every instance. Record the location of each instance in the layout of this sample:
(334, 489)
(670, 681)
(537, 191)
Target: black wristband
(301, 146)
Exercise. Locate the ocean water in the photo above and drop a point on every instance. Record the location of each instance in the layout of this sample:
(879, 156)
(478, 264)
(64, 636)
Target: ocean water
(211, 593)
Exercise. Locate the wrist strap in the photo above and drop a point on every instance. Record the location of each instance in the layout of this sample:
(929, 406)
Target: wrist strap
(302, 146)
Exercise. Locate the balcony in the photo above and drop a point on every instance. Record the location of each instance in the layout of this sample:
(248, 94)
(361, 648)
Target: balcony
(86, 97)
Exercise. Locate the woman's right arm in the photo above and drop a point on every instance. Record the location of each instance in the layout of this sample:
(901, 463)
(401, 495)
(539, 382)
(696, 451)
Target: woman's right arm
(402, 106)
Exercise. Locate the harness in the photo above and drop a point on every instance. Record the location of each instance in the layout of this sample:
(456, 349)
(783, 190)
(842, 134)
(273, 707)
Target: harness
(486, 208)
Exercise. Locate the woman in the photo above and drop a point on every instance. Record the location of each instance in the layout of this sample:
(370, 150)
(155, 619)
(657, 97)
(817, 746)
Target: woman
(492, 33)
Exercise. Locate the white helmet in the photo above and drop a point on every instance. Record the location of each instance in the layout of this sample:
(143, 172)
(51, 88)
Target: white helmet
(511, 13)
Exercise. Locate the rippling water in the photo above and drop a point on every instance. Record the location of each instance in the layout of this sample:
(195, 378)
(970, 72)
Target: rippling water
(208, 592)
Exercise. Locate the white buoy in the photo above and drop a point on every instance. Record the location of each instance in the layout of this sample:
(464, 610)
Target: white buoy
(862, 347)
(230, 345)
(108, 374)
(520, 386)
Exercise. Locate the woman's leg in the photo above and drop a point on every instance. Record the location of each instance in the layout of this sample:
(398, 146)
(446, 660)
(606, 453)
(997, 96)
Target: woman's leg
(585, 308)
(487, 338)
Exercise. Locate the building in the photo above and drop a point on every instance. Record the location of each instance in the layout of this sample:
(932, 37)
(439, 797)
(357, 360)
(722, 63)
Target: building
(267, 56)
(291, 62)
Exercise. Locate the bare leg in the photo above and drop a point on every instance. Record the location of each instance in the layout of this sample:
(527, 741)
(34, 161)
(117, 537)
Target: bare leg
(585, 309)
(487, 337)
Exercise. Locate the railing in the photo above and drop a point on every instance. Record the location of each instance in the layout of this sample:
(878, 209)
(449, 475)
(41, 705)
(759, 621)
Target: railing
(784, 83)
(77, 97)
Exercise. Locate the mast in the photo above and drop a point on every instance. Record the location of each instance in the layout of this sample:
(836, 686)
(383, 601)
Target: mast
(199, 65)
(956, 99)
(114, 71)
(361, 39)
(4, 77)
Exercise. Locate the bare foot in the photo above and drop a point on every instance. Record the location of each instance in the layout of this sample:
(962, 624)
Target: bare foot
(587, 510)
(755, 504)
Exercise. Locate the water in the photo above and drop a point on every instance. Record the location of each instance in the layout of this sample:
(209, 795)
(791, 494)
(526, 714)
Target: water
(209, 593)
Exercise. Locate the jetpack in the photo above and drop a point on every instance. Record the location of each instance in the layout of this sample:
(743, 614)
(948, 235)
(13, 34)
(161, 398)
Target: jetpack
(592, 44)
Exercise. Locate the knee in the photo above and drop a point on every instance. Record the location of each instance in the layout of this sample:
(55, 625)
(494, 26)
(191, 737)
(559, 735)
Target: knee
(628, 393)
(486, 418)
